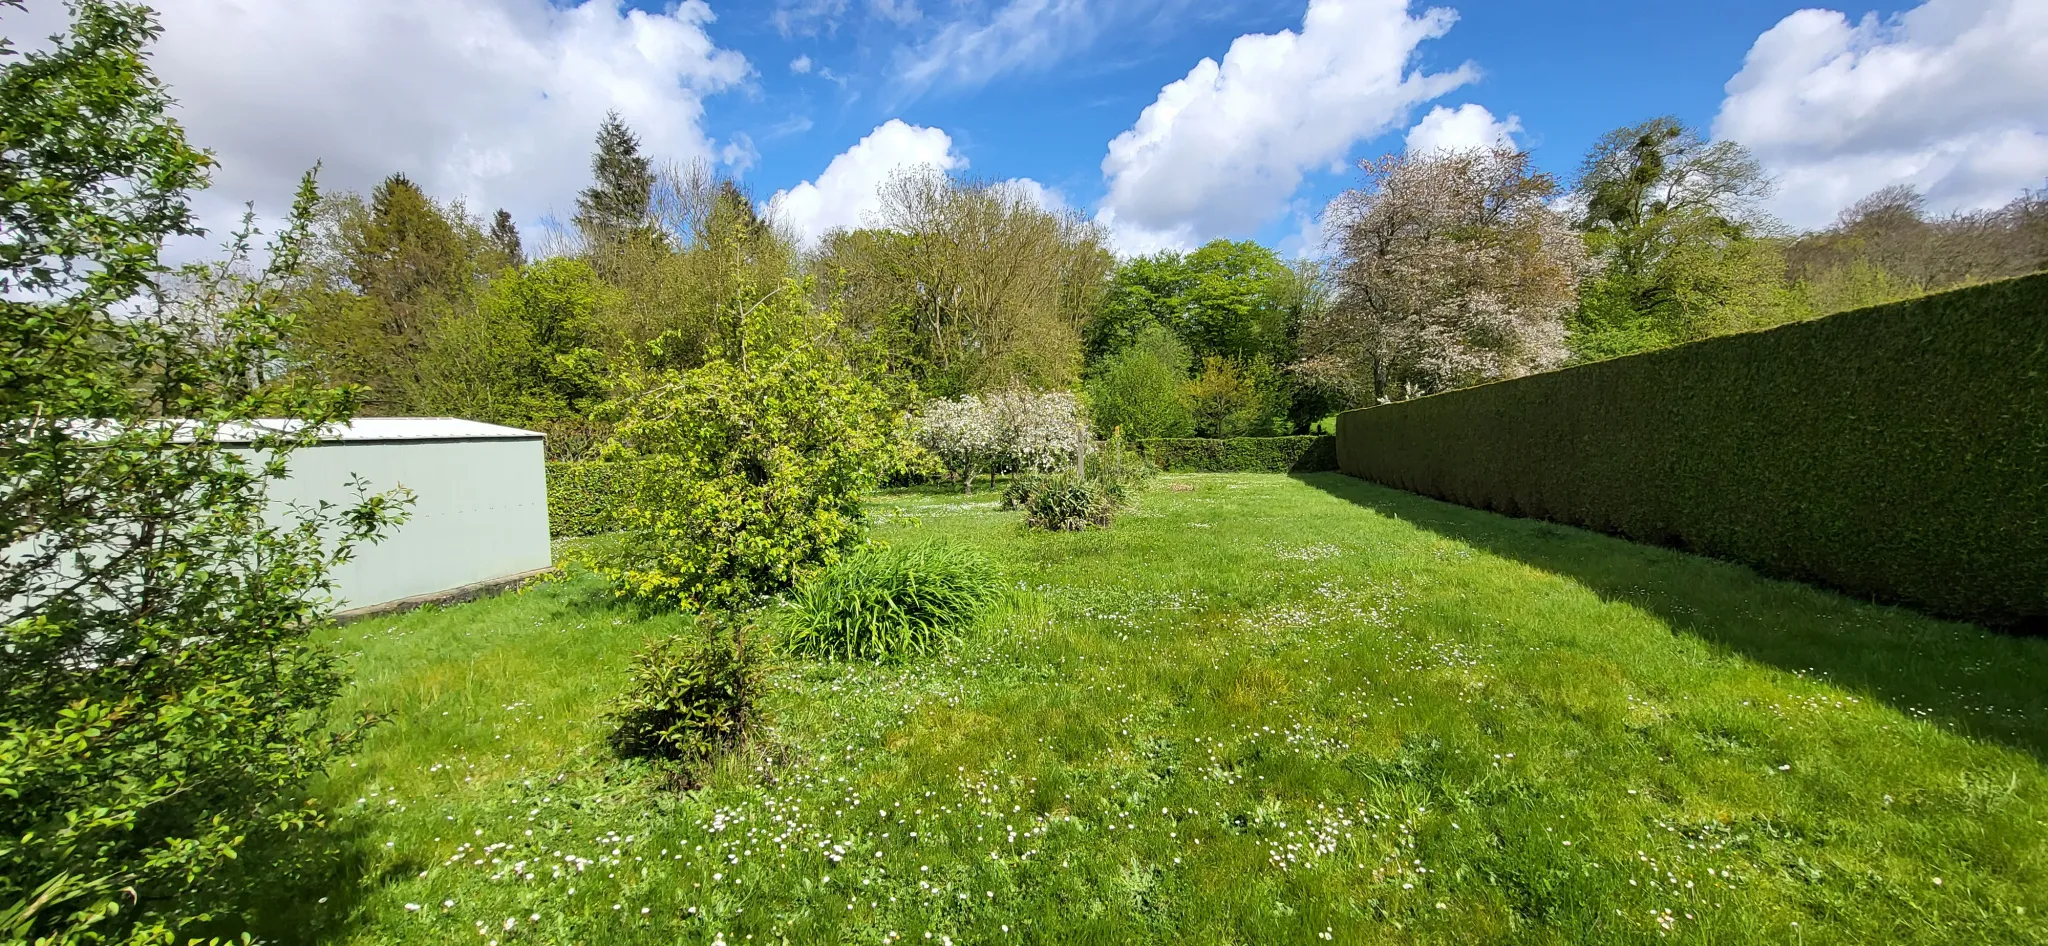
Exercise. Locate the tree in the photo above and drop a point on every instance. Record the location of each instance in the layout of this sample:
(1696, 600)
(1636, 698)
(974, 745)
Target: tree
(1140, 389)
(505, 239)
(755, 463)
(382, 277)
(1887, 247)
(1453, 269)
(708, 249)
(616, 203)
(973, 285)
(1236, 399)
(1227, 298)
(161, 699)
(1677, 223)
(530, 353)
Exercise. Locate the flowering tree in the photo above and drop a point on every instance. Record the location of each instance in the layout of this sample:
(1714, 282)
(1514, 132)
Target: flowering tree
(1007, 432)
(1454, 270)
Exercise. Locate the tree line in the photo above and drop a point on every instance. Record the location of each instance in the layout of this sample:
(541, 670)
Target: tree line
(1441, 270)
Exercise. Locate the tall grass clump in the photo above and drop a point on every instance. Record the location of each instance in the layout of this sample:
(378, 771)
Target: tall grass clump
(884, 603)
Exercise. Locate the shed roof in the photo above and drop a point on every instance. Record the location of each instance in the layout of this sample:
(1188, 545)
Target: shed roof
(373, 429)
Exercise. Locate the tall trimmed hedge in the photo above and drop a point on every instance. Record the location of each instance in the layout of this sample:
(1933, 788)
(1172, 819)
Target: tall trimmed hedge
(582, 496)
(1897, 453)
(1243, 454)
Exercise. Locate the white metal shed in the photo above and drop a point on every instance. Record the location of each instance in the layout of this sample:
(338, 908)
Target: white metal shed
(480, 510)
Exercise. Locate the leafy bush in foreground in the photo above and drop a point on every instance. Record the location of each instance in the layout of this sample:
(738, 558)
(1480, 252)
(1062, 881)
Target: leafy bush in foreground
(689, 699)
(161, 702)
(881, 603)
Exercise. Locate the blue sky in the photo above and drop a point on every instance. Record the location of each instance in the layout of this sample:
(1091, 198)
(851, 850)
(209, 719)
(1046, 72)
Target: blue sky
(1569, 71)
(1170, 122)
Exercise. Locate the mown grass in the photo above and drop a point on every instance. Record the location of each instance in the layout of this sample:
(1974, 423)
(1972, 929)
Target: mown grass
(1260, 709)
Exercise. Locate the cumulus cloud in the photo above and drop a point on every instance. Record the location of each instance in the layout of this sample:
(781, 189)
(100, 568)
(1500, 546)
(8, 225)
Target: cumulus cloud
(850, 184)
(1948, 97)
(496, 101)
(1461, 129)
(849, 190)
(800, 65)
(1221, 150)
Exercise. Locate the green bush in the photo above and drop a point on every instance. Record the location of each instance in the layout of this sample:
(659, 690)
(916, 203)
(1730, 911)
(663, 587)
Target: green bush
(1243, 455)
(584, 498)
(1063, 502)
(164, 694)
(1140, 389)
(1897, 452)
(883, 603)
(753, 466)
(689, 698)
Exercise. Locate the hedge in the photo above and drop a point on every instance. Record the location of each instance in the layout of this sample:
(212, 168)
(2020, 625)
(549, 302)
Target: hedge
(581, 496)
(1243, 454)
(1898, 453)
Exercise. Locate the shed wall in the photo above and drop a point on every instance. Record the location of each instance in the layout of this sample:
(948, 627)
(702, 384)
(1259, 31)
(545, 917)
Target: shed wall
(480, 512)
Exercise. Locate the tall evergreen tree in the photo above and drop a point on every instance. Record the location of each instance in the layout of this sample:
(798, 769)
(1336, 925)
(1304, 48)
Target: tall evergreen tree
(505, 239)
(616, 203)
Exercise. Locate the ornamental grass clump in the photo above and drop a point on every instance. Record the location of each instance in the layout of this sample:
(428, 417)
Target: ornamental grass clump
(884, 603)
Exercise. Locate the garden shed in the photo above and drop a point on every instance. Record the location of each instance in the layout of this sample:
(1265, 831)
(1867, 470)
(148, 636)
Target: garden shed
(480, 510)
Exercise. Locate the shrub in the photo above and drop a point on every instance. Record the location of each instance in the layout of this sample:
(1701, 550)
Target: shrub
(752, 466)
(1063, 502)
(688, 699)
(1244, 454)
(1007, 432)
(1141, 388)
(1897, 452)
(162, 700)
(584, 498)
(882, 603)
(1233, 399)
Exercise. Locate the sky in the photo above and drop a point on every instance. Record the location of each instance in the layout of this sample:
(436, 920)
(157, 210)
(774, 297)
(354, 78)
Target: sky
(1170, 122)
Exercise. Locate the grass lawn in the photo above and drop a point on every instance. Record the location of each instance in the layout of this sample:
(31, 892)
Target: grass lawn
(1260, 709)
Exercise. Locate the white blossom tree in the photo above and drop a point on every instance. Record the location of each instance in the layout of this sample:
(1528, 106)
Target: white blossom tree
(1453, 269)
(1015, 431)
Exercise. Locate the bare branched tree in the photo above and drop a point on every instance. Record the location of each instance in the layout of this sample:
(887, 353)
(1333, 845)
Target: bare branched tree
(973, 283)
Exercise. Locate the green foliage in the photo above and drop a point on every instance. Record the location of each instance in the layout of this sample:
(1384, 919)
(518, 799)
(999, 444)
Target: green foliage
(161, 703)
(526, 353)
(1674, 221)
(384, 277)
(584, 497)
(1229, 299)
(1064, 502)
(1140, 389)
(689, 698)
(1307, 454)
(888, 602)
(615, 205)
(1229, 399)
(1899, 452)
(753, 465)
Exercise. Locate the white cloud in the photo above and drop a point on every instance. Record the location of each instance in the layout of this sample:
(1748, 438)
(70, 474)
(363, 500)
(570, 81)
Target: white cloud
(848, 188)
(1461, 129)
(496, 101)
(1221, 150)
(848, 193)
(800, 65)
(1022, 34)
(1949, 97)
